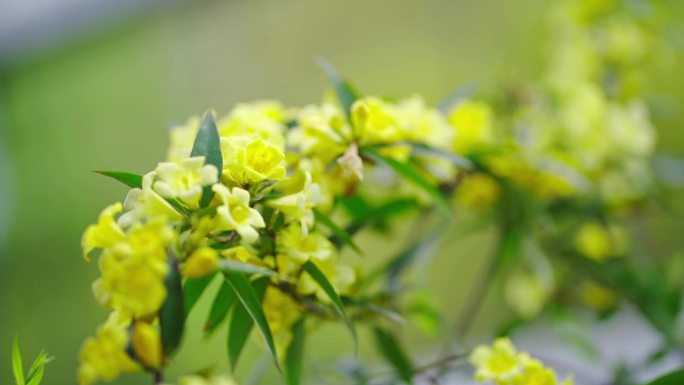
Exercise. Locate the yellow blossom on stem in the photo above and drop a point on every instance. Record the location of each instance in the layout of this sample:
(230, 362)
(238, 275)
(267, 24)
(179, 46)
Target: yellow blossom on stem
(234, 213)
(299, 206)
(248, 163)
(185, 181)
(201, 262)
(293, 243)
(145, 203)
(104, 356)
(103, 234)
(147, 346)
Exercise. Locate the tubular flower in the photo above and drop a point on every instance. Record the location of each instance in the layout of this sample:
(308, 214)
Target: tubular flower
(185, 181)
(104, 356)
(248, 163)
(234, 213)
(103, 234)
(182, 139)
(500, 363)
(473, 122)
(299, 206)
(145, 203)
(321, 132)
(261, 119)
(292, 243)
(202, 262)
(133, 271)
(146, 344)
(478, 191)
(376, 121)
(504, 365)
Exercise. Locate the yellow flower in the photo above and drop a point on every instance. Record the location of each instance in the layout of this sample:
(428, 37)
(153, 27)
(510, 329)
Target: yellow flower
(473, 122)
(292, 242)
(500, 363)
(147, 346)
(202, 262)
(104, 356)
(321, 131)
(535, 373)
(185, 181)
(298, 206)
(145, 203)
(105, 233)
(261, 119)
(424, 124)
(598, 242)
(504, 365)
(234, 213)
(182, 140)
(133, 271)
(478, 191)
(376, 121)
(252, 162)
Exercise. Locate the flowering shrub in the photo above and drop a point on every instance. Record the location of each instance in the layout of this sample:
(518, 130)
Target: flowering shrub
(264, 200)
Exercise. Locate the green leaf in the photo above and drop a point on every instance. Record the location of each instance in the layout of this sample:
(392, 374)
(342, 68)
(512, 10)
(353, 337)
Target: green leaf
(224, 300)
(672, 378)
(37, 371)
(247, 268)
(390, 349)
(338, 233)
(328, 288)
(409, 172)
(456, 160)
(193, 289)
(251, 303)
(127, 178)
(295, 354)
(346, 93)
(17, 364)
(208, 144)
(172, 313)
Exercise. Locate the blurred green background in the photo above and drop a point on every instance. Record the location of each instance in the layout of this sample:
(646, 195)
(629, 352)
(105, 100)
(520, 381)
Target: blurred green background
(102, 97)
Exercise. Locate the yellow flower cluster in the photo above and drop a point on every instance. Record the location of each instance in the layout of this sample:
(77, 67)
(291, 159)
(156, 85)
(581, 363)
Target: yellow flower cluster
(502, 364)
(281, 168)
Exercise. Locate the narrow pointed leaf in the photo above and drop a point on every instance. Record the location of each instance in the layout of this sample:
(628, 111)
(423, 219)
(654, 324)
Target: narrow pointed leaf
(17, 364)
(409, 172)
(172, 313)
(339, 235)
(251, 302)
(456, 160)
(346, 93)
(208, 144)
(328, 288)
(247, 268)
(128, 178)
(224, 300)
(295, 354)
(193, 289)
(391, 350)
(397, 265)
(672, 378)
(37, 371)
